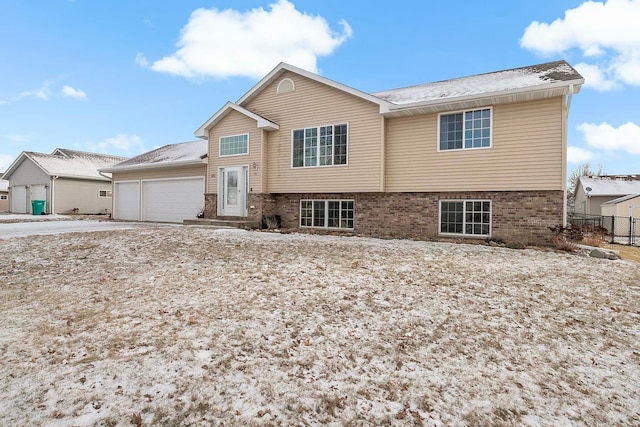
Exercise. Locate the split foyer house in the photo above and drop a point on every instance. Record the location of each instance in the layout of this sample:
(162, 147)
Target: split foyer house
(480, 156)
(164, 185)
(66, 180)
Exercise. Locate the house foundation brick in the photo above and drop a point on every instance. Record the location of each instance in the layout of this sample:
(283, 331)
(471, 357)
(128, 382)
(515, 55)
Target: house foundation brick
(517, 216)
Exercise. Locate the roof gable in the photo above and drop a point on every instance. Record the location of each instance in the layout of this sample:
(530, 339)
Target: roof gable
(284, 67)
(262, 123)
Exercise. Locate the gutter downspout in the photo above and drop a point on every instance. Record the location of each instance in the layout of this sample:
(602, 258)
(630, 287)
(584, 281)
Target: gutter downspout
(52, 202)
(564, 153)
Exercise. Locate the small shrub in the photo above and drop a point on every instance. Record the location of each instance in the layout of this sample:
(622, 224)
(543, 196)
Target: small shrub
(564, 244)
(573, 233)
(592, 240)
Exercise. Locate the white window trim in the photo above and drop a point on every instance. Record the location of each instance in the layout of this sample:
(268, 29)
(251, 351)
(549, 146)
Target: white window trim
(109, 194)
(463, 234)
(326, 213)
(232, 155)
(4, 197)
(318, 149)
(447, 113)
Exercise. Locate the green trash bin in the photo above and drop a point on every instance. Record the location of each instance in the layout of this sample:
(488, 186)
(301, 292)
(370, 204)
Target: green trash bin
(37, 207)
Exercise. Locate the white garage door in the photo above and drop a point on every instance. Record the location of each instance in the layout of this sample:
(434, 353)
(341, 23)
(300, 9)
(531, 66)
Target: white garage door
(18, 199)
(126, 202)
(172, 200)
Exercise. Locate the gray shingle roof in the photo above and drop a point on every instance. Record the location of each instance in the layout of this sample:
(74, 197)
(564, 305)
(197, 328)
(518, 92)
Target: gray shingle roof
(482, 84)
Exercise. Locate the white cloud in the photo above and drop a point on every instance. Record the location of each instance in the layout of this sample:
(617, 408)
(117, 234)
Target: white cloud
(607, 33)
(121, 144)
(625, 138)
(222, 43)
(5, 161)
(70, 92)
(43, 93)
(595, 77)
(578, 155)
(142, 60)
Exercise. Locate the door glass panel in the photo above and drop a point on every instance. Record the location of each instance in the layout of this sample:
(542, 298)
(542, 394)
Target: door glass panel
(232, 188)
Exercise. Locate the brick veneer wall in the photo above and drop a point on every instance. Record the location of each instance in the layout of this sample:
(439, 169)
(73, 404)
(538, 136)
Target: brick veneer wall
(517, 216)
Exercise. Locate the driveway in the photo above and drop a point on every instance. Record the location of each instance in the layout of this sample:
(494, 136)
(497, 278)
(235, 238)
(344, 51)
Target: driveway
(22, 229)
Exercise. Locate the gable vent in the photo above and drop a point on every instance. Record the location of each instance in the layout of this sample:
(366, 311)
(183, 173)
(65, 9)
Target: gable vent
(285, 86)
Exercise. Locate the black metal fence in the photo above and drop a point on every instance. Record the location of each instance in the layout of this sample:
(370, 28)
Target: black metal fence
(617, 229)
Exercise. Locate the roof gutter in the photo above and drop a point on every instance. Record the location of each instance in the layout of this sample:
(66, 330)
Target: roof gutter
(155, 165)
(487, 96)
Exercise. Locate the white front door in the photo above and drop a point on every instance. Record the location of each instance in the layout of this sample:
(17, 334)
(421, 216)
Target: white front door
(233, 191)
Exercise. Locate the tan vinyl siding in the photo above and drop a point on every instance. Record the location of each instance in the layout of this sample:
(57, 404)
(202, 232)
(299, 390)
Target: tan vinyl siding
(235, 123)
(526, 152)
(314, 104)
(82, 195)
(161, 173)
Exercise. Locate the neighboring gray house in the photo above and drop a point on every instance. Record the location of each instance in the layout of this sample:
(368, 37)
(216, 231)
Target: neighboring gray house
(67, 180)
(163, 185)
(592, 192)
(4, 194)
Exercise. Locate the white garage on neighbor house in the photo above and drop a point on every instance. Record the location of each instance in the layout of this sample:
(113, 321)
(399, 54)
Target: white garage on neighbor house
(163, 185)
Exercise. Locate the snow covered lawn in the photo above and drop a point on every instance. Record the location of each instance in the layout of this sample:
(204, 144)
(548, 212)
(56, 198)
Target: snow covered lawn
(189, 326)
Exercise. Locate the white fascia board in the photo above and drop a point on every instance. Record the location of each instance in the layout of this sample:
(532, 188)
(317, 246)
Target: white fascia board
(17, 162)
(489, 98)
(160, 165)
(262, 123)
(282, 67)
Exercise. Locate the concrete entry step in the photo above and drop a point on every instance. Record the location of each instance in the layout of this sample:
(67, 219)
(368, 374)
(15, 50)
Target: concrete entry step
(227, 223)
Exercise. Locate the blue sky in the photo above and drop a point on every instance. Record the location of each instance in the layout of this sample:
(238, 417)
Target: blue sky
(124, 77)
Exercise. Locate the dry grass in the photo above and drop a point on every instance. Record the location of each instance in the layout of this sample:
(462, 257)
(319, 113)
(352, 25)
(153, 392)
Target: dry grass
(627, 252)
(181, 326)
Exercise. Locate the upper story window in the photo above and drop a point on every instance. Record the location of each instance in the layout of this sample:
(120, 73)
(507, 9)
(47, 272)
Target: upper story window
(465, 130)
(234, 145)
(320, 146)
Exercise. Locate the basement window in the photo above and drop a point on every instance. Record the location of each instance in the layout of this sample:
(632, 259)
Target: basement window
(465, 217)
(327, 214)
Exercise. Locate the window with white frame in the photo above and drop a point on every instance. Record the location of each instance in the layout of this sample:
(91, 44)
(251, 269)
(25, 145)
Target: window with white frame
(319, 146)
(104, 193)
(326, 213)
(3, 197)
(465, 130)
(466, 217)
(234, 145)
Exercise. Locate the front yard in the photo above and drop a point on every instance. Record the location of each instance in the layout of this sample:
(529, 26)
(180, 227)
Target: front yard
(186, 326)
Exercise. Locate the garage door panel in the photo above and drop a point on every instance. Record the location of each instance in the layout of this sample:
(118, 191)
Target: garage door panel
(127, 201)
(172, 200)
(19, 199)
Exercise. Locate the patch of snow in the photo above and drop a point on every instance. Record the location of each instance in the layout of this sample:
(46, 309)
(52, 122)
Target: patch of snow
(517, 78)
(610, 186)
(184, 152)
(191, 326)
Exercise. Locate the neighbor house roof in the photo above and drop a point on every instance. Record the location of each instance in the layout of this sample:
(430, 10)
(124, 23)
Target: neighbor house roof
(621, 199)
(514, 85)
(183, 154)
(68, 163)
(610, 185)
